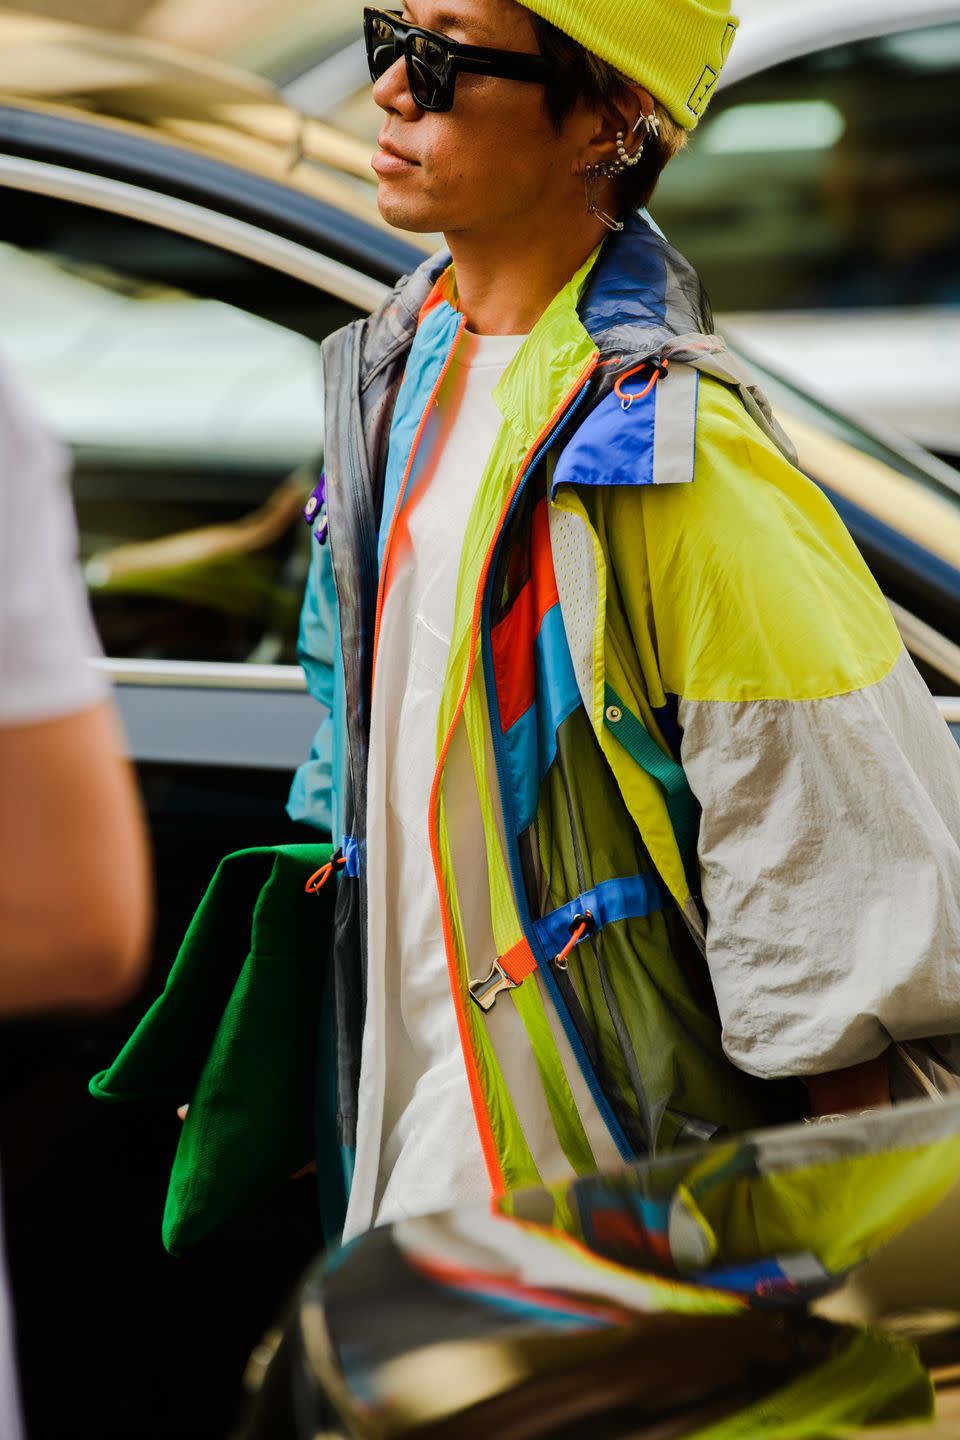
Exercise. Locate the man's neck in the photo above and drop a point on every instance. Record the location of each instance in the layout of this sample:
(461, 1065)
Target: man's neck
(505, 283)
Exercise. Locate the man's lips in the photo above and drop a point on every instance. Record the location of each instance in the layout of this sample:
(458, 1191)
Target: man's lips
(388, 160)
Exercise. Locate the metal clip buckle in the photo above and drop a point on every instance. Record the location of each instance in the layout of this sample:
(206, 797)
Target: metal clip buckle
(485, 992)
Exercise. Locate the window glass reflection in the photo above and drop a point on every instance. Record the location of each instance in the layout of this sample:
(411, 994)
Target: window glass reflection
(186, 383)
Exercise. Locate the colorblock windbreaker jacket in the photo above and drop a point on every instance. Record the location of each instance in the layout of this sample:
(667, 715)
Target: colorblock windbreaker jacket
(720, 813)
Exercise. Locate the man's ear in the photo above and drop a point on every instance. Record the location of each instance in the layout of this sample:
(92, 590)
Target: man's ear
(621, 115)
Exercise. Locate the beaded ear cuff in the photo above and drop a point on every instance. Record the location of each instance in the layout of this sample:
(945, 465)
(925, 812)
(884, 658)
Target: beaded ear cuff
(651, 126)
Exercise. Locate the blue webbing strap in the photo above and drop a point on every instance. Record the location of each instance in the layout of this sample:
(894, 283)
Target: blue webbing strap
(607, 902)
(351, 857)
(640, 746)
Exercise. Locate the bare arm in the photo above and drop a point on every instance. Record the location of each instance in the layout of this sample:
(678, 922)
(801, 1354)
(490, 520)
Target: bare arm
(75, 889)
(860, 1087)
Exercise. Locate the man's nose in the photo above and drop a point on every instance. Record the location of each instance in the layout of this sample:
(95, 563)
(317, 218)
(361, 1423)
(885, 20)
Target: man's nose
(392, 91)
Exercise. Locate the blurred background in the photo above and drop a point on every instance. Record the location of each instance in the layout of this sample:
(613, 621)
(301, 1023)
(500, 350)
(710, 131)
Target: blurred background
(267, 35)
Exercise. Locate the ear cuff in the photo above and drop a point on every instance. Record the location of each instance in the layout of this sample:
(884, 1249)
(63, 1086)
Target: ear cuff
(607, 169)
(625, 161)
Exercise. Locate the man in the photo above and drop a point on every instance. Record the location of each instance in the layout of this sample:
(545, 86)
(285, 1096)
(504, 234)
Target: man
(649, 815)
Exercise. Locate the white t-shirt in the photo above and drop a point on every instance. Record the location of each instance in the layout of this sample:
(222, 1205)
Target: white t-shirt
(46, 639)
(417, 1144)
(46, 633)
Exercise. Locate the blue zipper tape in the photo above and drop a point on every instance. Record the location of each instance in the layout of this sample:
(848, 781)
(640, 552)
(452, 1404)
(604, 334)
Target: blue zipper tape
(608, 902)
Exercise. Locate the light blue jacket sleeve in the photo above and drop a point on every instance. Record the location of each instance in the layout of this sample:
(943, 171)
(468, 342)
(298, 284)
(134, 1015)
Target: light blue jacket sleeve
(314, 793)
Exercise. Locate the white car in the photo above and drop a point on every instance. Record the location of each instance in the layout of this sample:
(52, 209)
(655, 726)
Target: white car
(821, 202)
(820, 198)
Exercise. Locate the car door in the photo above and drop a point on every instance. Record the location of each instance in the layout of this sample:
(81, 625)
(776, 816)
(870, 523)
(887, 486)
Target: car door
(176, 353)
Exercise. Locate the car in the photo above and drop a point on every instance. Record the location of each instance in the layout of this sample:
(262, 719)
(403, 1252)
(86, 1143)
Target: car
(139, 208)
(175, 244)
(822, 201)
(820, 198)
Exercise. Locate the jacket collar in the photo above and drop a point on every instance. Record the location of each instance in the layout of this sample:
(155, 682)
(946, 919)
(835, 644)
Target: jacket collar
(642, 293)
(629, 299)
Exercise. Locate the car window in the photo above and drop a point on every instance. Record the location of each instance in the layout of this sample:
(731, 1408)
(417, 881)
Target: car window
(186, 383)
(829, 181)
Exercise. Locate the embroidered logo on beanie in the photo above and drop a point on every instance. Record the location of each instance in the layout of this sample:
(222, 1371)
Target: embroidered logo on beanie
(703, 89)
(676, 49)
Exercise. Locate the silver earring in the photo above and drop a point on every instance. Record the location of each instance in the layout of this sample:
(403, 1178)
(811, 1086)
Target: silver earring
(607, 169)
(591, 176)
(651, 124)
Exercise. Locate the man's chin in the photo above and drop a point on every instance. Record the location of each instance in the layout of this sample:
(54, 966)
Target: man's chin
(405, 213)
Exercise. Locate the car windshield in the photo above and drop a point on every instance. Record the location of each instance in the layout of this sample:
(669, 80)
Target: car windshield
(820, 201)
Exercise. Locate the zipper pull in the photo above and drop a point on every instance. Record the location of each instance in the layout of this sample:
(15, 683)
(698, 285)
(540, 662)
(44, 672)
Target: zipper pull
(659, 368)
(320, 877)
(580, 926)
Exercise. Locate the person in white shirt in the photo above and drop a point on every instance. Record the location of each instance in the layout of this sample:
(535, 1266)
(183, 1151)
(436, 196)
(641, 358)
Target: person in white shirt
(75, 888)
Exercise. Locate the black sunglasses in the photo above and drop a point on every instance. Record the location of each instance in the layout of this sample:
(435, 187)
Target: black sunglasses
(433, 61)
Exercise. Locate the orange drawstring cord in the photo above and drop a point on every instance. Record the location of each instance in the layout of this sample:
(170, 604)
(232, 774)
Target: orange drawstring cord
(320, 877)
(627, 398)
(583, 924)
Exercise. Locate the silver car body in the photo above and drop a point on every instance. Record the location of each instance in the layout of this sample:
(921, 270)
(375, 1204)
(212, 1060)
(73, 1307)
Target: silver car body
(775, 30)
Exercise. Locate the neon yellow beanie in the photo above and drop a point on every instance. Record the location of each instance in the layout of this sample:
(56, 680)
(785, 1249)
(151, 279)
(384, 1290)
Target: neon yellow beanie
(673, 48)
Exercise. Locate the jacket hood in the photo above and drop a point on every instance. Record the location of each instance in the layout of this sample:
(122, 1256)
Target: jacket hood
(643, 293)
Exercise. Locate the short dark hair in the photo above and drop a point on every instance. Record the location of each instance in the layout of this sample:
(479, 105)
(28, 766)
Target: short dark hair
(581, 76)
